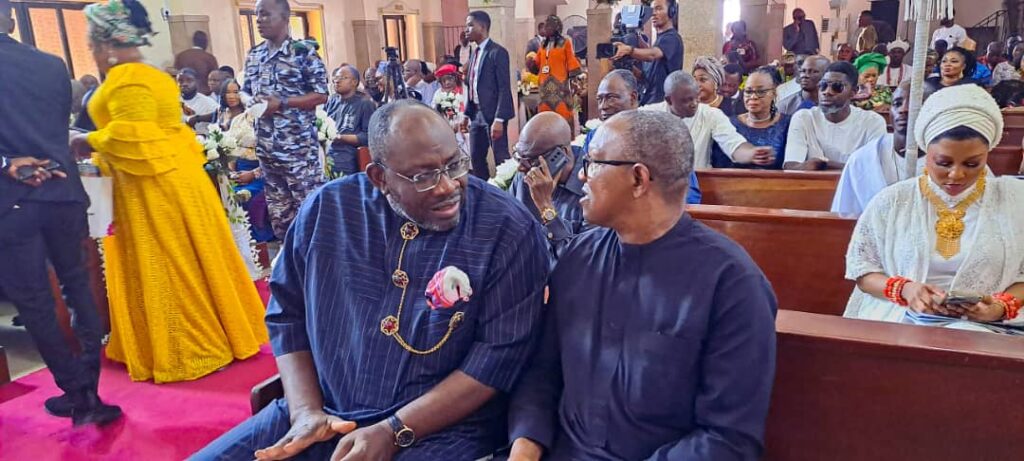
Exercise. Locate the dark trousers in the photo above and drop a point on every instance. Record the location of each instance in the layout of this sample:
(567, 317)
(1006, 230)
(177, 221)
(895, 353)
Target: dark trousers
(480, 141)
(29, 236)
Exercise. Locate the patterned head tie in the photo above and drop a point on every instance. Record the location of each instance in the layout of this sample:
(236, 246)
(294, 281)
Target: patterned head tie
(712, 67)
(121, 23)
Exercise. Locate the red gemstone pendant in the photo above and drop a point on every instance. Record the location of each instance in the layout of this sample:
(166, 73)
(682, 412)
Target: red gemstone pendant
(400, 278)
(389, 325)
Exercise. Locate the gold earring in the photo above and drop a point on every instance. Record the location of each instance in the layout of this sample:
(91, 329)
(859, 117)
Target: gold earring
(111, 59)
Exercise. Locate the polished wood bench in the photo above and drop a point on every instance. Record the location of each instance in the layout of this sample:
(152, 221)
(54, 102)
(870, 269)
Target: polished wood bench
(796, 190)
(1005, 160)
(1012, 136)
(803, 253)
(857, 390)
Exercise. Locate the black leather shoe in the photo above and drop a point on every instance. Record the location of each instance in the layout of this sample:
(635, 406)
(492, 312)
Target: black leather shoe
(59, 406)
(89, 409)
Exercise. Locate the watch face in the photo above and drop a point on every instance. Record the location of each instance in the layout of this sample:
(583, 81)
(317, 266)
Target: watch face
(405, 438)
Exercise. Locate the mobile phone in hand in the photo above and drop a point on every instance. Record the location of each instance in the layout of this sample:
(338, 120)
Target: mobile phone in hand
(962, 299)
(27, 172)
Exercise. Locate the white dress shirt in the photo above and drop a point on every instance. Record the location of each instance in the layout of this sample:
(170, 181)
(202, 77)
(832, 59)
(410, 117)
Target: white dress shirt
(707, 125)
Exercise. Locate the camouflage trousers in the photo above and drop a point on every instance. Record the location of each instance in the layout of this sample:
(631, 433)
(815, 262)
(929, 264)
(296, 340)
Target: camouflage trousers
(287, 185)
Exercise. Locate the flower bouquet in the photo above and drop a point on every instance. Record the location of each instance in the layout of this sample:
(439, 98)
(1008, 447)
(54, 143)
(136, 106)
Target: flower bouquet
(528, 83)
(591, 125)
(504, 173)
(218, 147)
(326, 129)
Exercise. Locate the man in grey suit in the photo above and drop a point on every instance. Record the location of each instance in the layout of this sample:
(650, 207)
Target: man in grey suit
(489, 106)
(42, 218)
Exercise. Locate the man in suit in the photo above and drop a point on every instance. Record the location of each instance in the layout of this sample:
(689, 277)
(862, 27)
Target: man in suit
(489, 106)
(199, 59)
(43, 217)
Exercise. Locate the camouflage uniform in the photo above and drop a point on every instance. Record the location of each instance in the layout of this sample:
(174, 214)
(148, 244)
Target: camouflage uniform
(287, 143)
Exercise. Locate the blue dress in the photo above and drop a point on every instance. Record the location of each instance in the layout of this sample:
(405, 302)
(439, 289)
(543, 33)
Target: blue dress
(774, 136)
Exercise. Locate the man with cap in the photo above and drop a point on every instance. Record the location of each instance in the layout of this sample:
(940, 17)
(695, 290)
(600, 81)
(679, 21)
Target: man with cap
(788, 67)
(897, 71)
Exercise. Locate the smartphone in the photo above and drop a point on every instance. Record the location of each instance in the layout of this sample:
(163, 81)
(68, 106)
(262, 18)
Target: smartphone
(962, 299)
(557, 160)
(24, 173)
(605, 50)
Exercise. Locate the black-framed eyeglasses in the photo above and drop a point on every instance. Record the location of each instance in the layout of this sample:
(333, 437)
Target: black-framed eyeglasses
(759, 94)
(428, 180)
(837, 87)
(588, 164)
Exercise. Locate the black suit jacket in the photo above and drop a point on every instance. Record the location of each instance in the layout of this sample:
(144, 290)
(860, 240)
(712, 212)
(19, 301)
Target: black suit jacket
(494, 85)
(36, 92)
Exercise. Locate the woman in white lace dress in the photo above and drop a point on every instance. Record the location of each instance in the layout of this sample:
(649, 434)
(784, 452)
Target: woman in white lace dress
(955, 229)
(246, 172)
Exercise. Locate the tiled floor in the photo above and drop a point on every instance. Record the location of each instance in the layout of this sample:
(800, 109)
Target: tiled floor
(22, 356)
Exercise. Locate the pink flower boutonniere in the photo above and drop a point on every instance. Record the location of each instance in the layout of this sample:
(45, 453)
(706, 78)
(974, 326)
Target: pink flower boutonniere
(448, 286)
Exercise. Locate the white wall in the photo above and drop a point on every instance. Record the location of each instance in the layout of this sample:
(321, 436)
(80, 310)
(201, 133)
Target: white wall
(971, 12)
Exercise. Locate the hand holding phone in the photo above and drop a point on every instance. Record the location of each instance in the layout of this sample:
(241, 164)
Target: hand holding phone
(960, 298)
(33, 171)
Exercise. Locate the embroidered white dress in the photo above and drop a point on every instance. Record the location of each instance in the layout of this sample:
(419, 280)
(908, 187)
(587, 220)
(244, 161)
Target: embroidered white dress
(896, 236)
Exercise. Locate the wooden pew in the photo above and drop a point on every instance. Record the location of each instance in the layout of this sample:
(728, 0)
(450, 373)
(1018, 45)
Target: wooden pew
(858, 390)
(1012, 136)
(803, 253)
(1005, 160)
(796, 190)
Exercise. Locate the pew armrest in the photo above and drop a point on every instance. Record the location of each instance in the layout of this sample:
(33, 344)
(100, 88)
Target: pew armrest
(265, 392)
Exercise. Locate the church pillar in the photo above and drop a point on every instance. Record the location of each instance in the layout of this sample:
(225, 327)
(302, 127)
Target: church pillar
(599, 30)
(367, 41)
(700, 24)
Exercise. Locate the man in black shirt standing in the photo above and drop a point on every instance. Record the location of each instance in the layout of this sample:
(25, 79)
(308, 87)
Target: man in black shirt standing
(43, 217)
(666, 55)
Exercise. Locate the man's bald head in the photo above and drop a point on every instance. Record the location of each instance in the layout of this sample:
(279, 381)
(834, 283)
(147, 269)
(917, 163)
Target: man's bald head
(544, 132)
(394, 122)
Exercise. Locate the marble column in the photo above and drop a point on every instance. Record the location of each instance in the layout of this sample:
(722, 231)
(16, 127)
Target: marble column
(367, 42)
(764, 26)
(700, 24)
(433, 42)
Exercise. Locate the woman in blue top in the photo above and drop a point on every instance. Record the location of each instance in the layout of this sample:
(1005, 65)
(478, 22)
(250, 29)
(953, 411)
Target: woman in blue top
(763, 124)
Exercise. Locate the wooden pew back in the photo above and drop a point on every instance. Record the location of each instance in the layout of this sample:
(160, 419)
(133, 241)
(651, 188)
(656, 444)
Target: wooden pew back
(855, 390)
(803, 253)
(1005, 160)
(795, 190)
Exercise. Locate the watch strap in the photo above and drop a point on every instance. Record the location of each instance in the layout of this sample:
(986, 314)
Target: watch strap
(396, 423)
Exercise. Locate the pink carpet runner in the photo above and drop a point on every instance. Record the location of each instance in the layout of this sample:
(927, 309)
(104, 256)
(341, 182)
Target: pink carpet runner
(161, 422)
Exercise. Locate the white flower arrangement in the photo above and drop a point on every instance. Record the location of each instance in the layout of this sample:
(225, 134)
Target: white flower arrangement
(217, 145)
(591, 125)
(504, 173)
(326, 129)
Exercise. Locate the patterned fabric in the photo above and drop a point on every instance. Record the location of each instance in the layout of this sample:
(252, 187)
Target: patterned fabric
(332, 286)
(181, 301)
(869, 60)
(557, 64)
(774, 136)
(712, 67)
(287, 141)
(123, 23)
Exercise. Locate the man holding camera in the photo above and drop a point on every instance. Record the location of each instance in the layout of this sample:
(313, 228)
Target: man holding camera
(666, 54)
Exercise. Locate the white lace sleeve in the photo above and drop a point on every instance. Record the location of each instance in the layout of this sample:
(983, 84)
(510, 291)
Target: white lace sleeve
(864, 255)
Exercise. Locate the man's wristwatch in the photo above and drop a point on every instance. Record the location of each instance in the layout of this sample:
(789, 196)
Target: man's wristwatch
(404, 436)
(547, 215)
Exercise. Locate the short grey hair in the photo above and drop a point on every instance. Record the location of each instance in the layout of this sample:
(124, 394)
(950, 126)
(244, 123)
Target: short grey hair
(661, 141)
(627, 77)
(382, 125)
(679, 79)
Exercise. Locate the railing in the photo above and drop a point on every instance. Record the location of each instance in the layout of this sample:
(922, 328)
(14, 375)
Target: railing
(452, 36)
(999, 21)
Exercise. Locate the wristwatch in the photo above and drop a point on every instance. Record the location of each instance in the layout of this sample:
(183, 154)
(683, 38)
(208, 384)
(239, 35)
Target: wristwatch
(547, 215)
(404, 435)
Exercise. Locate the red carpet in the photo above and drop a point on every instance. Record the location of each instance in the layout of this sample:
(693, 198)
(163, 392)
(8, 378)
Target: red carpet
(161, 422)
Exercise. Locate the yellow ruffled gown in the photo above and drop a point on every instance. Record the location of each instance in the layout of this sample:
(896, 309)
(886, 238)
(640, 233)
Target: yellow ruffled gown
(182, 304)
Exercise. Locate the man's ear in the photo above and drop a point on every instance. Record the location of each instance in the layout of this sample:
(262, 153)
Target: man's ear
(641, 180)
(375, 172)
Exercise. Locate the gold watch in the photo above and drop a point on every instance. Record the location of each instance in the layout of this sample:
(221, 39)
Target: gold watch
(547, 215)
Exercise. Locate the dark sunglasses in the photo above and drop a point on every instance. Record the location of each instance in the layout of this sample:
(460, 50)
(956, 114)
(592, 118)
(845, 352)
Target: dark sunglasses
(837, 87)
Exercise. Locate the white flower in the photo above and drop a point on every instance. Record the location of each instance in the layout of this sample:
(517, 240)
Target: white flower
(592, 124)
(504, 173)
(580, 141)
(209, 144)
(212, 154)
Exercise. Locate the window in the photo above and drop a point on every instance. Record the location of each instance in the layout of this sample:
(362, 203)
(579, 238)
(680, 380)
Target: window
(394, 34)
(58, 28)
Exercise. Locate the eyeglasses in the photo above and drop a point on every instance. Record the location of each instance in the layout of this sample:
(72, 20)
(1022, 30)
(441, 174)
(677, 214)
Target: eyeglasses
(837, 87)
(342, 78)
(430, 179)
(589, 165)
(758, 94)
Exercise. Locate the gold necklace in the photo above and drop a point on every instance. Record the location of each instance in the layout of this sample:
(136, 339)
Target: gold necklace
(390, 325)
(950, 226)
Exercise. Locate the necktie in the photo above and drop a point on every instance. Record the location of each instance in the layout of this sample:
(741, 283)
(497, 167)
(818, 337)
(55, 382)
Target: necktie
(472, 73)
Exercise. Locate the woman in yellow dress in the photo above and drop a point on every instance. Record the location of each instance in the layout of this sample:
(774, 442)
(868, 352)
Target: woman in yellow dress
(181, 302)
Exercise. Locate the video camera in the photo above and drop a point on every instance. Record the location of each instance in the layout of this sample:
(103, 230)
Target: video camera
(627, 31)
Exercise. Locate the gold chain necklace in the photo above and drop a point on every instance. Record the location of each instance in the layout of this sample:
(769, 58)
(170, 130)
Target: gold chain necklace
(950, 226)
(390, 325)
